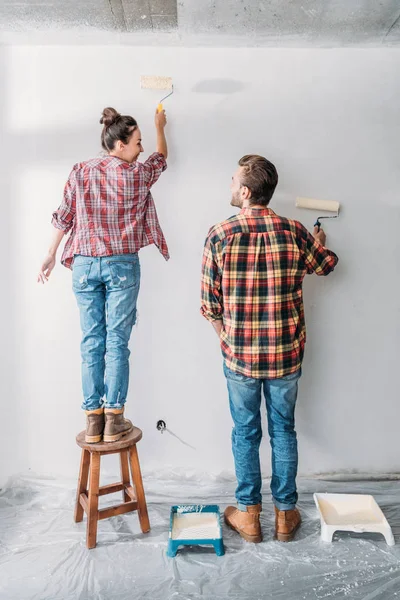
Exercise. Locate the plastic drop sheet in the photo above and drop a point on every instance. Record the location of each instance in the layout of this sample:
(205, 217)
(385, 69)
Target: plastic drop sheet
(43, 555)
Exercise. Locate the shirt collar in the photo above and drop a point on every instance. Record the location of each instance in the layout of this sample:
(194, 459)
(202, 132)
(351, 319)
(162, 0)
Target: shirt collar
(257, 212)
(121, 161)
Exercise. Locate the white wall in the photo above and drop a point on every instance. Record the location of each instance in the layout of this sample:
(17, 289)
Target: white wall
(329, 120)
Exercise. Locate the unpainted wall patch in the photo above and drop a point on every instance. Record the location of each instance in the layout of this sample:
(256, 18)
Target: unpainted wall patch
(219, 86)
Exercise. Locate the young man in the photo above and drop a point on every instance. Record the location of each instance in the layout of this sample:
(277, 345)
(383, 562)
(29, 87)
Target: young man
(252, 274)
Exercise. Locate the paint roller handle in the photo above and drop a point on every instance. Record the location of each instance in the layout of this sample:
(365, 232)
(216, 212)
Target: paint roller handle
(159, 108)
(317, 224)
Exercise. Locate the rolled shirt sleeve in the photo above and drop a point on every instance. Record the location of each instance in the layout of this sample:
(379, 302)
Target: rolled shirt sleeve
(318, 259)
(64, 216)
(153, 167)
(211, 293)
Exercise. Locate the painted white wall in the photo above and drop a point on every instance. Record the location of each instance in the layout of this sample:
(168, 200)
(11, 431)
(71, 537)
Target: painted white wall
(329, 120)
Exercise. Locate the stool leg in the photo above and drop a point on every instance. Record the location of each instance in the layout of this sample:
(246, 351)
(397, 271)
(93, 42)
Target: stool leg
(82, 484)
(125, 473)
(93, 497)
(141, 499)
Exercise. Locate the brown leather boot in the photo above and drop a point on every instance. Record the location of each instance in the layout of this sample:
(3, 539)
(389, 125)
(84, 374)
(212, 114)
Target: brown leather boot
(115, 424)
(287, 523)
(94, 425)
(247, 524)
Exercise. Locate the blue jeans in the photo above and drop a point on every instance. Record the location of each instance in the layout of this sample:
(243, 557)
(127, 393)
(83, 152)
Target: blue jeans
(245, 402)
(106, 289)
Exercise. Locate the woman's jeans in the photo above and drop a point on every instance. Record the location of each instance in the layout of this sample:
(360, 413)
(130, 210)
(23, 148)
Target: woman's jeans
(245, 402)
(106, 289)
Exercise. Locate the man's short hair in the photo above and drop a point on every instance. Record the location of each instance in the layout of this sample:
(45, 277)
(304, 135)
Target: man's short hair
(260, 176)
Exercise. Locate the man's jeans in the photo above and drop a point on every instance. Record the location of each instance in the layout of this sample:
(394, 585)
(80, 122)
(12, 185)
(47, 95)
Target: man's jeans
(106, 289)
(245, 402)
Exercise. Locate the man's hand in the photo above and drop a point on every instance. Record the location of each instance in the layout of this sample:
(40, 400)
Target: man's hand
(160, 119)
(46, 268)
(319, 235)
(217, 324)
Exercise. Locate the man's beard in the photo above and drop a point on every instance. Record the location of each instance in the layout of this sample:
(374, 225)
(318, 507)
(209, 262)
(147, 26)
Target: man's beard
(236, 200)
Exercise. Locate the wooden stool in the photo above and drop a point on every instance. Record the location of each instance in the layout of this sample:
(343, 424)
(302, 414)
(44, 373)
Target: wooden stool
(87, 499)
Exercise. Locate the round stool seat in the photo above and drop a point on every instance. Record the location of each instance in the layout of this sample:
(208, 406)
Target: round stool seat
(125, 442)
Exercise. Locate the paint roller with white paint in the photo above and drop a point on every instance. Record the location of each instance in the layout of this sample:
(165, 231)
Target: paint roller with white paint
(155, 82)
(325, 205)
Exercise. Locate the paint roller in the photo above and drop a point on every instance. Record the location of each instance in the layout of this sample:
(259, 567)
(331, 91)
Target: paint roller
(154, 82)
(325, 205)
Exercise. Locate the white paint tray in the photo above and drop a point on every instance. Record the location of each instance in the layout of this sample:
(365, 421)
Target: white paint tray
(358, 513)
(198, 526)
(195, 524)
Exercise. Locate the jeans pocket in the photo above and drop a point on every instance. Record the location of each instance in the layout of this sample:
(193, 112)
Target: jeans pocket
(237, 376)
(80, 274)
(124, 274)
(292, 376)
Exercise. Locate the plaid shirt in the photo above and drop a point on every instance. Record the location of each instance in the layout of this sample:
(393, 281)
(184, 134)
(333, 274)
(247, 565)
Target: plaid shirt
(253, 268)
(109, 209)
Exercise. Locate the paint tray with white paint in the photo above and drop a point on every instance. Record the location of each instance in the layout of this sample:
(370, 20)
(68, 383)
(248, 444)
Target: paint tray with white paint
(358, 513)
(195, 524)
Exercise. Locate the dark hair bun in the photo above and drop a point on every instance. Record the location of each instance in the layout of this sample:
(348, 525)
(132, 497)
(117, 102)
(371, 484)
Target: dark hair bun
(109, 117)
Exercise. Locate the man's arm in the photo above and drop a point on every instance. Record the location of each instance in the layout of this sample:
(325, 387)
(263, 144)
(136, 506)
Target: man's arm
(218, 324)
(211, 293)
(317, 257)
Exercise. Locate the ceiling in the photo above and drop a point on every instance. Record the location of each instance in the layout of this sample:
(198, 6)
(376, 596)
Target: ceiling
(208, 22)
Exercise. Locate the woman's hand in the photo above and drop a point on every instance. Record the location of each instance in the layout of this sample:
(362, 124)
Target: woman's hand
(160, 119)
(47, 266)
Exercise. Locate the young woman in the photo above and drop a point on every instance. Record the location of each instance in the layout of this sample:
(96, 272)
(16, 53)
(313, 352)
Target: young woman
(110, 214)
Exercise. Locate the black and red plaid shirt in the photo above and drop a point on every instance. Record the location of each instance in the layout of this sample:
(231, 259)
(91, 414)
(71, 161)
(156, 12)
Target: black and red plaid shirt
(253, 269)
(109, 209)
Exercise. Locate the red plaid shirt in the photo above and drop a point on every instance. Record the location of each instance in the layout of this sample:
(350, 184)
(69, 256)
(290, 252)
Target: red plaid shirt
(109, 209)
(253, 269)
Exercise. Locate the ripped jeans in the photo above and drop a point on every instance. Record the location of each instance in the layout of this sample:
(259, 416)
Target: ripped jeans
(106, 289)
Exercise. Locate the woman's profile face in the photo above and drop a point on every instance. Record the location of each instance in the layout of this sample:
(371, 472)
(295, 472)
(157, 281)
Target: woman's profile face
(132, 150)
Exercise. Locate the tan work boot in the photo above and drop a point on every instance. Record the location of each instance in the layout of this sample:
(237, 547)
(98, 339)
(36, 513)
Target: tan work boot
(287, 523)
(247, 524)
(115, 424)
(94, 425)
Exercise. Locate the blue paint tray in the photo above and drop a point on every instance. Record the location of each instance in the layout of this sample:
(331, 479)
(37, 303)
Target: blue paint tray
(195, 524)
